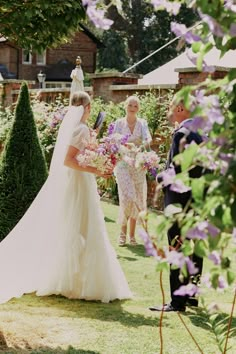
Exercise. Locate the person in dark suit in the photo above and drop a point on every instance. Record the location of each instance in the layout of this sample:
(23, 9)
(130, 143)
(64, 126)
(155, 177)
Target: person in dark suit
(182, 135)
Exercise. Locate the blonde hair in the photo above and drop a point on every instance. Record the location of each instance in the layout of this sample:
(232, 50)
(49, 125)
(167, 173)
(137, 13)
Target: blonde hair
(132, 98)
(80, 98)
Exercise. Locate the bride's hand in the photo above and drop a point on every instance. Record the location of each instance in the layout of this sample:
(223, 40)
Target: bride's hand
(105, 174)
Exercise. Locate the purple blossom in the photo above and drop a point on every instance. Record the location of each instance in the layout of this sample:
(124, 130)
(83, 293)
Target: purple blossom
(148, 244)
(179, 187)
(124, 139)
(171, 7)
(114, 148)
(222, 284)
(215, 257)
(196, 233)
(192, 269)
(167, 176)
(111, 128)
(101, 150)
(220, 141)
(202, 230)
(214, 26)
(234, 235)
(97, 15)
(230, 5)
(212, 230)
(187, 290)
(176, 258)
(193, 58)
(232, 30)
(153, 172)
(210, 109)
(181, 30)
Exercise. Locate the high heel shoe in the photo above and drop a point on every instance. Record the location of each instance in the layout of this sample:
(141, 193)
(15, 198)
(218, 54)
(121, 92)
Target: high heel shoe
(132, 241)
(122, 239)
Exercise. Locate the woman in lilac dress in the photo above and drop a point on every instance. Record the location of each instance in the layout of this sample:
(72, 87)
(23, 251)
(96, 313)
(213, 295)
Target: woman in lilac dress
(132, 185)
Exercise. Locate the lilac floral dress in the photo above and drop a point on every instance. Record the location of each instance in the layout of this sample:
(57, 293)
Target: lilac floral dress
(132, 184)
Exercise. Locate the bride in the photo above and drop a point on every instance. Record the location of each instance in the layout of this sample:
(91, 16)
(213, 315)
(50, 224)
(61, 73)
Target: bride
(61, 246)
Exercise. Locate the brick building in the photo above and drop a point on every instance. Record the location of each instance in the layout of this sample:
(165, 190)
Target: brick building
(56, 63)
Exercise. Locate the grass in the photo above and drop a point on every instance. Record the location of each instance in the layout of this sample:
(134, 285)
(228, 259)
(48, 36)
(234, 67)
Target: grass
(56, 325)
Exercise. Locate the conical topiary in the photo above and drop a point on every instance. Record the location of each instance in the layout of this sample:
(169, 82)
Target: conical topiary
(22, 166)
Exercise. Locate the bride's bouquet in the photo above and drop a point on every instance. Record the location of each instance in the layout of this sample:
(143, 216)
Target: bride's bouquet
(103, 154)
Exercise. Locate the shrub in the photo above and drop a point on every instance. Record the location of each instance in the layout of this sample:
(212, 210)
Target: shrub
(22, 167)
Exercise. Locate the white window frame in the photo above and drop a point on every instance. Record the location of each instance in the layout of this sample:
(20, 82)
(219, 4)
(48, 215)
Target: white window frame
(43, 55)
(23, 56)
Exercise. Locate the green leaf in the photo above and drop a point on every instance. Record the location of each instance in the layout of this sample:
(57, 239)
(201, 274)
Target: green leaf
(230, 276)
(233, 211)
(163, 265)
(198, 186)
(200, 248)
(196, 47)
(187, 156)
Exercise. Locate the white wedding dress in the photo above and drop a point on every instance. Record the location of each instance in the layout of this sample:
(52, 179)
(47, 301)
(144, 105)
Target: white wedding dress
(61, 246)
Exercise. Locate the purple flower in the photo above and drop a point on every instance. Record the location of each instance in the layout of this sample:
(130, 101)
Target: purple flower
(232, 30)
(97, 17)
(234, 235)
(222, 284)
(167, 176)
(192, 269)
(230, 5)
(179, 187)
(124, 139)
(202, 230)
(215, 257)
(193, 58)
(111, 128)
(181, 30)
(214, 26)
(213, 230)
(101, 150)
(220, 141)
(114, 148)
(148, 244)
(187, 290)
(176, 258)
(153, 172)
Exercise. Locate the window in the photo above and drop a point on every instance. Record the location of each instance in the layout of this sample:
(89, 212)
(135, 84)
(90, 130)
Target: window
(41, 58)
(26, 56)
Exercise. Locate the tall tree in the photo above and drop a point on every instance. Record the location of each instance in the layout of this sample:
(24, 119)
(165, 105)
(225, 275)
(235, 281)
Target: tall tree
(22, 166)
(39, 24)
(114, 54)
(146, 30)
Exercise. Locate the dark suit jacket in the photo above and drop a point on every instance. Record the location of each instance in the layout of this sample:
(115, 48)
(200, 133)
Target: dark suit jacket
(171, 197)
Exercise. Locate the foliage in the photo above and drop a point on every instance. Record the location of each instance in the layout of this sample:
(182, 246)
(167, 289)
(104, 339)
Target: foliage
(22, 167)
(114, 54)
(38, 24)
(48, 117)
(145, 31)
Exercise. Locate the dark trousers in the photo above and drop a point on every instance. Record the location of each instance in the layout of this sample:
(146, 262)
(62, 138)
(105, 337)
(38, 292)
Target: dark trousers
(175, 283)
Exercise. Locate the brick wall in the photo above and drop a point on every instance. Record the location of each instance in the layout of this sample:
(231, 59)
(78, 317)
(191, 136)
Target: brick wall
(190, 76)
(102, 85)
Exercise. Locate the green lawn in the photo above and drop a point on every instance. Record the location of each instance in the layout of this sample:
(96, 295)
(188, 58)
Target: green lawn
(57, 325)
